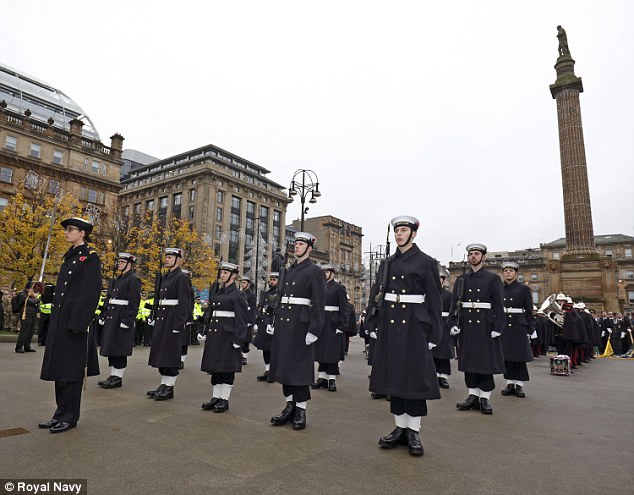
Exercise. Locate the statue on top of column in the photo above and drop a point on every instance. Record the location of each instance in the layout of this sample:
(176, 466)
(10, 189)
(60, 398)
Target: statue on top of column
(563, 42)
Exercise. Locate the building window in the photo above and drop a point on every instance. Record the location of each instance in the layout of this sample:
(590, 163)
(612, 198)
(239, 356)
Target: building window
(11, 143)
(192, 195)
(608, 252)
(58, 157)
(162, 212)
(235, 220)
(6, 175)
(137, 209)
(217, 249)
(235, 203)
(176, 207)
(520, 278)
(219, 215)
(36, 150)
(104, 170)
(126, 211)
(629, 275)
(220, 196)
(191, 213)
(628, 252)
(149, 205)
(4, 202)
(95, 167)
(535, 297)
(534, 277)
(218, 232)
(630, 296)
(53, 186)
(556, 255)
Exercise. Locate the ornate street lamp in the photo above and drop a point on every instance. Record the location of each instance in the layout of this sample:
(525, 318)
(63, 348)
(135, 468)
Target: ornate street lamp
(309, 184)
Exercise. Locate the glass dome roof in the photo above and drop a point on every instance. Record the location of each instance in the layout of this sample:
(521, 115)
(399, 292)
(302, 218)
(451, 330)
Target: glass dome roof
(22, 92)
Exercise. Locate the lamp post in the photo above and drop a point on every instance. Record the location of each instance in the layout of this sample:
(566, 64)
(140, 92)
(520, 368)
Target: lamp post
(309, 184)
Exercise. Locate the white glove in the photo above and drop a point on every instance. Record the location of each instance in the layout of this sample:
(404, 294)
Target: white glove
(454, 331)
(236, 346)
(255, 327)
(609, 330)
(176, 331)
(123, 325)
(338, 331)
(534, 335)
(269, 329)
(495, 335)
(603, 334)
(373, 335)
(201, 338)
(430, 345)
(150, 322)
(622, 334)
(310, 338)
(101, 321)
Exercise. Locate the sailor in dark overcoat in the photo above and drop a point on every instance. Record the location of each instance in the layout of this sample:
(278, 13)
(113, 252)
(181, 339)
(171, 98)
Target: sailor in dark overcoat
(443, 353)
(119, 319)
(246, 287)
(329, 349)
(173, 302)
(71, 352)
(228, 320)
(479, 327)
(264, 324)
(409, 326)
(520, 325)
(298, 323)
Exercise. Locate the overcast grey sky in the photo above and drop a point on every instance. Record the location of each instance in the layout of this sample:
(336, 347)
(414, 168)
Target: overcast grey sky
(438, 110)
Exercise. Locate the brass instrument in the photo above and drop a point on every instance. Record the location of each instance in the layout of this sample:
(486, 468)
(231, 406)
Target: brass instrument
(553, 311)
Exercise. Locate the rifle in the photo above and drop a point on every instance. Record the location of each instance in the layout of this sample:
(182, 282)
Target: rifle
(457, 309)
(380, 295)
(213, 289)
(157, 295)
(280, 285)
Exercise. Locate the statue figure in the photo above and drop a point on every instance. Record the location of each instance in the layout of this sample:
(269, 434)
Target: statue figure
(563, 41)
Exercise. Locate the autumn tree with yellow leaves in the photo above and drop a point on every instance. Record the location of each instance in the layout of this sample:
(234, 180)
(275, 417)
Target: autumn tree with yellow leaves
(26, 222)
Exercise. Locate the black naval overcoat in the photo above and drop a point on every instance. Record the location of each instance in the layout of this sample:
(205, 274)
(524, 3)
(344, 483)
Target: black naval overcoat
(292, 361)
(444, 350)
(268, 302)
(329, 347)
(252, 312)
(165, 351)
(519, 326)
(219, 355)
(115, 340)
(477, 351)
(402, 364)
(69, 345)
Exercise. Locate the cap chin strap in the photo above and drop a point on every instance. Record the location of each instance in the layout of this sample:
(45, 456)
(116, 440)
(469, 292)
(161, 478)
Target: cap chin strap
(409, 238)
(173, 264)
(305, 251)
(127, 262)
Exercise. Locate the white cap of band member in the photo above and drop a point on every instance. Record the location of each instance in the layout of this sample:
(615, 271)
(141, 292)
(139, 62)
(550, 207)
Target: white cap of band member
(127, 257)
(80, 223)
(305, 237)
(174, 252)
(229, 267)
(329, 266)
(560, 297)
(245, 278)
(274, 275)
(510, 264)
(476, 246)
(405, 221)
(579, 305)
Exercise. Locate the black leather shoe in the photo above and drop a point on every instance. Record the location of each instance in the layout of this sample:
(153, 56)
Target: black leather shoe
(471, 402)
(509, 390)
(442, 382)
(397, 437)
(413, 442)
(221, 406)
(263, 377)
(320, 383)
(285, 416)
(269, 379)
(244, 361)
(29, 349)
(519, 391)
(485, 406)
(112, 382)
(62, 426)
(181, 366)
(208, 406)
(332, 385)
(299, 421)
(165, 394)
(152, 393)
(20, 351)
(374, 395)
(48, 424)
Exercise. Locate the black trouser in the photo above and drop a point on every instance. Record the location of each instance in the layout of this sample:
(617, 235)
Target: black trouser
(300, 393)
(442, 366)
(68, 399)
(138, 332)
(168, 371)
(477, 380)
(218, 378)
(514, 370)
(147, 333)
(329, 368)
(42, 330)
(27, 329)
(413, 407)
(118, 362)
(266, 355)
